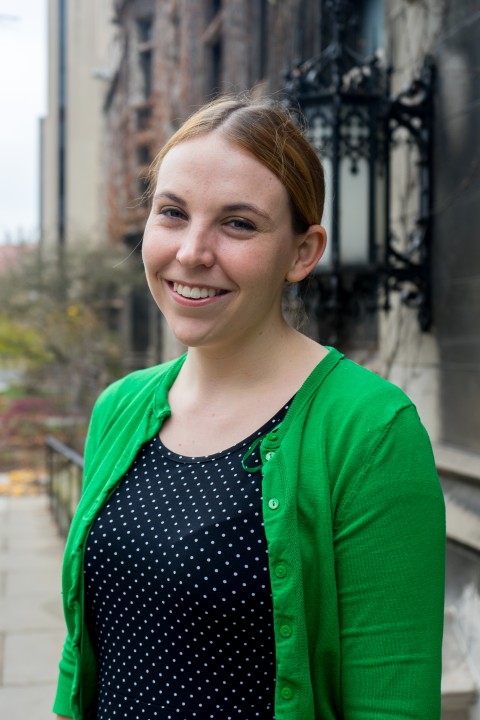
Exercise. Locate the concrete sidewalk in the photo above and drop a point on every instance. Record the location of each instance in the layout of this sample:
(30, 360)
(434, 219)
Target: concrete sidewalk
(31, 619)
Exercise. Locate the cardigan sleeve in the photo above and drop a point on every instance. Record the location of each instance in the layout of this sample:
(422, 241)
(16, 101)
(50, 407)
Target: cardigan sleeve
(390, 560)
(62, 704)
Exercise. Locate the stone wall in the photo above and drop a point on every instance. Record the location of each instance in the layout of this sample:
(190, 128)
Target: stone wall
(441, 369)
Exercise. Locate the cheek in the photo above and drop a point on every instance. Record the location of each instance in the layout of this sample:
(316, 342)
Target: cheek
(153, 252)
(146, 245)
(146, 256)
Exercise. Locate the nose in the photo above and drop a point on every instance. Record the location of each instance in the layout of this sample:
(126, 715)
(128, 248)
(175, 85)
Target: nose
(196, 248)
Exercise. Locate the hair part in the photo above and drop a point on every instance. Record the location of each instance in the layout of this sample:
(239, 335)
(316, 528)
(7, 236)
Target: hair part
(266, 130)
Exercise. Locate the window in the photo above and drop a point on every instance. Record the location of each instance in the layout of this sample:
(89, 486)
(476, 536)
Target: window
(364, 27)
(144, 156)
(146, 67)
(370, 27)
(143, 186)
(213, 39)
(261, 26)
(216, 51)
(145, 55)
(215, 7)
(143, 118)
(145, 30)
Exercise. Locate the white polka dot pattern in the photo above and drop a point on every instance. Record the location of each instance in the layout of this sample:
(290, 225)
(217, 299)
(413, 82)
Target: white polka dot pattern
(178, 595)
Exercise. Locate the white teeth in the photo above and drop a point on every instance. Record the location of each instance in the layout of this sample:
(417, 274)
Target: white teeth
(194, 292)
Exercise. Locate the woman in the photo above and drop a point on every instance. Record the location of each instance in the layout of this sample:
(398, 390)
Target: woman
(261, 531)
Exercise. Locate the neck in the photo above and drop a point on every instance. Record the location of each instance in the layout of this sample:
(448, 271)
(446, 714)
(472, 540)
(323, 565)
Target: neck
(246, 358)
(260, 361)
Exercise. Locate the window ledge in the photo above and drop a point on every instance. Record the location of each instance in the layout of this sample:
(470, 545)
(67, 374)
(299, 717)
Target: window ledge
(459, 691)
(452, 461)
(459, 472)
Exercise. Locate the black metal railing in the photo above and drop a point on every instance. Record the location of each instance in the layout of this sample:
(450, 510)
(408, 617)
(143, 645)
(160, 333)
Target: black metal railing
(65, 469)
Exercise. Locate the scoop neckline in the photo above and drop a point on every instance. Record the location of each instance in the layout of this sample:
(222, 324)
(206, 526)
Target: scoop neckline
(267, 427)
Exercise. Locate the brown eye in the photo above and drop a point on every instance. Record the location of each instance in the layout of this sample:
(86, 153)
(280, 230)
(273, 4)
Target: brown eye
(172, 212)
(239, 224)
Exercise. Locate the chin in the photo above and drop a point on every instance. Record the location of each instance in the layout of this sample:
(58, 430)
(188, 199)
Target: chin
(191, 337)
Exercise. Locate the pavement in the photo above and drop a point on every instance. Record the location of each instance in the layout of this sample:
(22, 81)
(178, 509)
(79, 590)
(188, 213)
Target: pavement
(31, 619)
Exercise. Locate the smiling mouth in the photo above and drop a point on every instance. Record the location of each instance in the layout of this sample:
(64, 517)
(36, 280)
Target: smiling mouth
(196, 293)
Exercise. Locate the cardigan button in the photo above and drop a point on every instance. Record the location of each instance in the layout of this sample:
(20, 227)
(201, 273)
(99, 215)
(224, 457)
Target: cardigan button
(273, 503)
(269, 455)
(280, 571)
(285, 631)
(286, 693)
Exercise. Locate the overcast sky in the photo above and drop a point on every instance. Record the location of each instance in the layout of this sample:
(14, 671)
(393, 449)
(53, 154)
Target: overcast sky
(22, 102)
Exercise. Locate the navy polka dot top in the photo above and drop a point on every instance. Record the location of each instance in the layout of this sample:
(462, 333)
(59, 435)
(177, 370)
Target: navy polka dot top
(177, 590)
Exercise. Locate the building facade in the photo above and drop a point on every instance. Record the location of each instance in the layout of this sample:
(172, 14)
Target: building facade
(73, 208)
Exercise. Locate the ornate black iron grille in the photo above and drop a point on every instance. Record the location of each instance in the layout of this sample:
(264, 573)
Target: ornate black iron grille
(353, 123)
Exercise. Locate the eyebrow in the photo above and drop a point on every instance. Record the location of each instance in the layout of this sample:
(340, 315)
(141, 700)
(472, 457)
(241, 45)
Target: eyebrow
(239, 207)
(231, 207)
(170, 196)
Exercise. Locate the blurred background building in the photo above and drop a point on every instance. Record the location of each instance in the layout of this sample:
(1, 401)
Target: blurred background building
(73, 206)
(123, 75)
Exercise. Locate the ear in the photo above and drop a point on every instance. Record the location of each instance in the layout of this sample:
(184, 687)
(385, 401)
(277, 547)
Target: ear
(310, 248)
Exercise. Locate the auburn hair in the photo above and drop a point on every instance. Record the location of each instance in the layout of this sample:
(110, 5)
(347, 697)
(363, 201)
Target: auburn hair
(268, 131)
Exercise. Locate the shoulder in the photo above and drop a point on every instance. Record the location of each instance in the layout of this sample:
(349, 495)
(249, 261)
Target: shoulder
(138, 389)
(139, 381)
(354, 410)
(351, 390)
(123, 406)
(365, 433)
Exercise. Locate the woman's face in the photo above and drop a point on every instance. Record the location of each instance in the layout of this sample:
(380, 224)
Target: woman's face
(218, 243)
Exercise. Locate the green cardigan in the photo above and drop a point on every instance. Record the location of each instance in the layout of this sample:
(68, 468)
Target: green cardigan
(354, 520)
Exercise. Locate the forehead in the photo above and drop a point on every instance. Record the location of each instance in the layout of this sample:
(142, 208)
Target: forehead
(212, 162)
